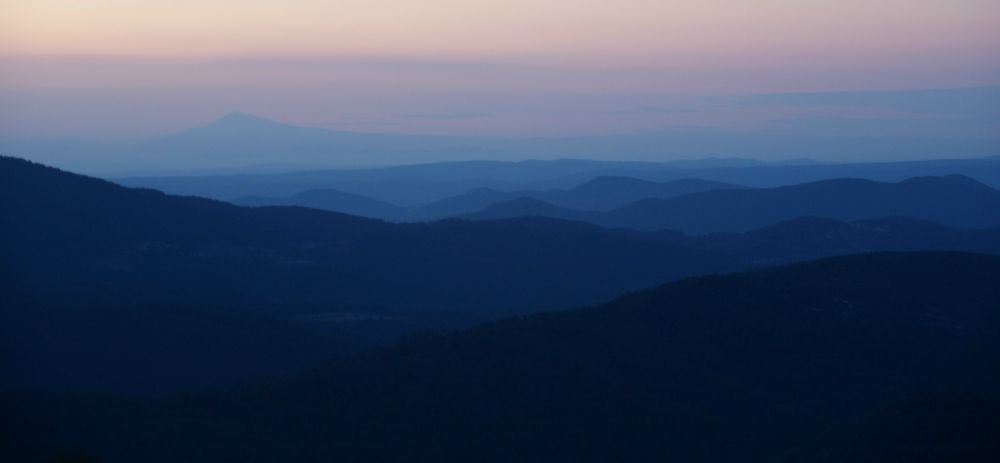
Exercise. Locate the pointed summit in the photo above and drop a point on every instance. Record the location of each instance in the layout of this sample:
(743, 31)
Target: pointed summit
(243, 120)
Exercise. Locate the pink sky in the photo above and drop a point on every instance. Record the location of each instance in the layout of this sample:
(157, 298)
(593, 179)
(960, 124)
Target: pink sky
(129, 67)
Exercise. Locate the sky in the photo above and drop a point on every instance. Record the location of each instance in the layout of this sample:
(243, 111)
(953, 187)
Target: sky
(132, 68)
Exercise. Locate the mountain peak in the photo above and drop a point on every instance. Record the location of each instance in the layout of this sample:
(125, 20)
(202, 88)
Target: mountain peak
(242, 120)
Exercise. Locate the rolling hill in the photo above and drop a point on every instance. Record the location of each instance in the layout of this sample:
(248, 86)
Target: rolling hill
(598, 194)
(105, 279)
(93, 238)
(953, 200)
(142, 270)
(419, 184)
(784, 364)
(329, 200)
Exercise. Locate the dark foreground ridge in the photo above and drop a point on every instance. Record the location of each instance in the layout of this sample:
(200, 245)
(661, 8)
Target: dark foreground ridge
(860, 357)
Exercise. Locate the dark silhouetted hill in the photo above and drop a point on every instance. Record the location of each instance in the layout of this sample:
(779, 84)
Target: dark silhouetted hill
(83, 232)
(263, 290)
(925, 428)
(73, 245)
(749, 367)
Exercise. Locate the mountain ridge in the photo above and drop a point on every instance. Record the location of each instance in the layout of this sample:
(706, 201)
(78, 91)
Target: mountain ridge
(82, 245)
(328, 199)
(954, 200)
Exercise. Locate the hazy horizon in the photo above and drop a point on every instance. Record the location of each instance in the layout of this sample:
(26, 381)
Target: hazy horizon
(111, 70)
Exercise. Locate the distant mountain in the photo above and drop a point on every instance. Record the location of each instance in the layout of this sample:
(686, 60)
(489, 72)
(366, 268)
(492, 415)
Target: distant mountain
(606, 193)
(951, 123)
(470, 201)
(941, 123)
(771, 365)
(598, 194)
(421, 184)
(985, 170)
(243, 125)
(245, 140)
(329, 200)
(953, 200)
(530, 207)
